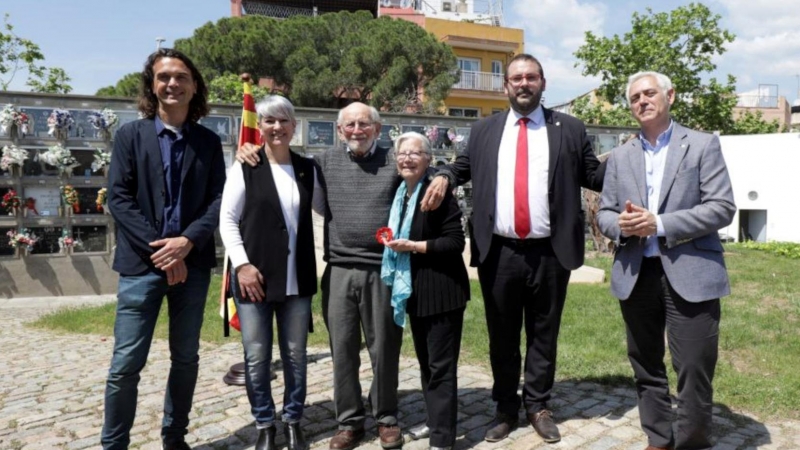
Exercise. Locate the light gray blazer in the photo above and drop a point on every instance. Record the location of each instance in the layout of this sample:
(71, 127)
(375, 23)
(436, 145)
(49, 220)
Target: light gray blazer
(696, 201)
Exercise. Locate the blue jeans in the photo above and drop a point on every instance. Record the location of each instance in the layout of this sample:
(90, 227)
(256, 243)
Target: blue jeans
(293, 317)
(138, 303)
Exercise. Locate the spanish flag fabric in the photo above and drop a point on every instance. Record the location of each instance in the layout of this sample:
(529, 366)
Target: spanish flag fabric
(248, 133)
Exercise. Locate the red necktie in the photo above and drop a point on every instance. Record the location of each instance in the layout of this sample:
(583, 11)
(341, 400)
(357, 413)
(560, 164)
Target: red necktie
(522, 213)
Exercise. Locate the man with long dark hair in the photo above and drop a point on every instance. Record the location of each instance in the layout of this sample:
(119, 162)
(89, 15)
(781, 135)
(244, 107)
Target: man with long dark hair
(165, 186)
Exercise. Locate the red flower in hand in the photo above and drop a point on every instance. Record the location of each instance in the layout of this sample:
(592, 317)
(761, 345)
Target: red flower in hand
(384, 235)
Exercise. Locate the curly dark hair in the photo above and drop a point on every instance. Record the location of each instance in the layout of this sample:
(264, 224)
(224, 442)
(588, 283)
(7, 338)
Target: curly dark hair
(148, 102)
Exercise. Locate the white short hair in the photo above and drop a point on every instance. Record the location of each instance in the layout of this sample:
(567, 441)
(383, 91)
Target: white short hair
(663, 81)
(413, 135)
(275, 106)
(374, 116)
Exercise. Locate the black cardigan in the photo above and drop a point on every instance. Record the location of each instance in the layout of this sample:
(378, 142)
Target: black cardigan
(439, 277)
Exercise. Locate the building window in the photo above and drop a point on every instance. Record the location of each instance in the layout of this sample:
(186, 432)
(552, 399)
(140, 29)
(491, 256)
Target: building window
(497, 75)
(447, 6)
(464, 112)
(470, 73)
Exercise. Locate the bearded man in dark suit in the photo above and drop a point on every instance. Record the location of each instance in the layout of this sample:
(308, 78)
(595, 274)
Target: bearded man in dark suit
(527, 167)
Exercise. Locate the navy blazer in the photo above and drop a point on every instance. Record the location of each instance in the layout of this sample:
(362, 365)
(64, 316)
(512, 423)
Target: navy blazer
(136, 194)
(572, 165)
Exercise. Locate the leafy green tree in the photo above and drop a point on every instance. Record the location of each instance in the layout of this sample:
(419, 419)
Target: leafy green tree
(23, 55)
(680, 44)
(330, 60)
(750, 122)
(127, 86)
(599, 114)
(228, 88)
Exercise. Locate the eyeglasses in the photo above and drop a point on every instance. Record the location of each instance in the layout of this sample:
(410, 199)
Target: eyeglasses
(409, 155)
(517, 80)
(351, 126)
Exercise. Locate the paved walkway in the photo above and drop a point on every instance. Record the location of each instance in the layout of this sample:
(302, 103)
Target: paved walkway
(51, 397)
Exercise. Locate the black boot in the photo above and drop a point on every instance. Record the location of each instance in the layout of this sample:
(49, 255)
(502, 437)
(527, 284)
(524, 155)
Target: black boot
(294, 436)
(266, 439)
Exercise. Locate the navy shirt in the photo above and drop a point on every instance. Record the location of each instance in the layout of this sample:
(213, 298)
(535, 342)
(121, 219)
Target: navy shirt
(173, 146)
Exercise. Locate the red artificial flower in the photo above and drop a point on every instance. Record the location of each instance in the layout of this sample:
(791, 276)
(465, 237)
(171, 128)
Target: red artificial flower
(384, 235)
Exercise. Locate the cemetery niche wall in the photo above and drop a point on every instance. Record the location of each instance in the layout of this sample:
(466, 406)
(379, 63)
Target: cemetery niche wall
(59, 238)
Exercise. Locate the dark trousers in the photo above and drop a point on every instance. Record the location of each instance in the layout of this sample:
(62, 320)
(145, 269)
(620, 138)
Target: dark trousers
(437, 341)
(692, 333)
(355, 299)
(523, 279)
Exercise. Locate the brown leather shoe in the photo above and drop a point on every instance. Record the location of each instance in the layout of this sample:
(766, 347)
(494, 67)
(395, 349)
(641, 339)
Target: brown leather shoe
(650, 447)
(500, 427)
(346, 439)
(391, 436)
(544, 425)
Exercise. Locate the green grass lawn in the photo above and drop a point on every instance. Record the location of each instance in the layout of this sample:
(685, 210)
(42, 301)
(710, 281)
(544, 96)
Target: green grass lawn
(758, 369)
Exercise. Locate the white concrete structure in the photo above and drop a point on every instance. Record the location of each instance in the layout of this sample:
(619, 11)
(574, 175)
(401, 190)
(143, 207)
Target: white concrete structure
(763, 170)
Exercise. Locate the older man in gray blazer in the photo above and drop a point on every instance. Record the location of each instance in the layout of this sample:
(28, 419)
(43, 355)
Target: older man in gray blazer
(665, 195)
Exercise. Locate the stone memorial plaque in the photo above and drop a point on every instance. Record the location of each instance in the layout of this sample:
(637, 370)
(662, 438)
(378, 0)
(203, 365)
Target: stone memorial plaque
(5, 247)
(33, 168)
(416, 128)
(38, 118)
(385, 140)
(82, 128)
(87, 200)
(94, 238)
(321, 134)
(47, 240)
(297, 139)
(48, 199)
(220, 125)
(85, 157)
(125, 116)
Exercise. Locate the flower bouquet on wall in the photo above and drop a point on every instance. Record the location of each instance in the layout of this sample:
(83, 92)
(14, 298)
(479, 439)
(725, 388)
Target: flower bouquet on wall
(14, 122)
(66, 242)
(59, 157)
(13, 158)
(394, 133)
(59, 124)
(102, 159)
(103, 121)
(24, 240)
(11, 202)
(102, 198)
(70, 198)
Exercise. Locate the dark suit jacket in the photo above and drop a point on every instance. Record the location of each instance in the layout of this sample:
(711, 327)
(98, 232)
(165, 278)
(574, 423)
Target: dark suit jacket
(572, 165)
(136, 194)
(439, 277)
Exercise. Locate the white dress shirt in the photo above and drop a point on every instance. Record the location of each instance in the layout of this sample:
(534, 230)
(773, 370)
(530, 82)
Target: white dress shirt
(538, 167)
(655, 159)
(233, 199)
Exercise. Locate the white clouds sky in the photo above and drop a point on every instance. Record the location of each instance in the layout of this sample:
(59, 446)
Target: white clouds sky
(766, 49)
(97, 45)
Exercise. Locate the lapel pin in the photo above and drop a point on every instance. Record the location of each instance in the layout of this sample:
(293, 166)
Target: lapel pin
(301, 174)
(558, 124)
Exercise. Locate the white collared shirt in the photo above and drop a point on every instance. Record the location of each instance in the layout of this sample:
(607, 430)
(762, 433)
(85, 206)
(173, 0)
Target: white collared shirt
(538, 167)
(655, 160)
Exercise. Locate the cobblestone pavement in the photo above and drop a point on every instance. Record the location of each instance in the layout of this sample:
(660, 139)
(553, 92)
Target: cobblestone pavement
(51, 397)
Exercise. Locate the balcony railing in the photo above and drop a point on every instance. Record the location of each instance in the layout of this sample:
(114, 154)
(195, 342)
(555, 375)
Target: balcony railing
(480, 81)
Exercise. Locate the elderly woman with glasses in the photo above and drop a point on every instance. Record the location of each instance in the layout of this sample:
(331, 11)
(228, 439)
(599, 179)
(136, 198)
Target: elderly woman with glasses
(265, 224)
(424, 267)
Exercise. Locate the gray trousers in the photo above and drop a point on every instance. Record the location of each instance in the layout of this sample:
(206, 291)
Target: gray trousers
(354, 299)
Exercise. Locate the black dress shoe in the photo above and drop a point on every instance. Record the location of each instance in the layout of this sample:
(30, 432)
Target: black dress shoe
(501, 426)
(294, 436)
(176, 446)
(544, 425)
(266, 439)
